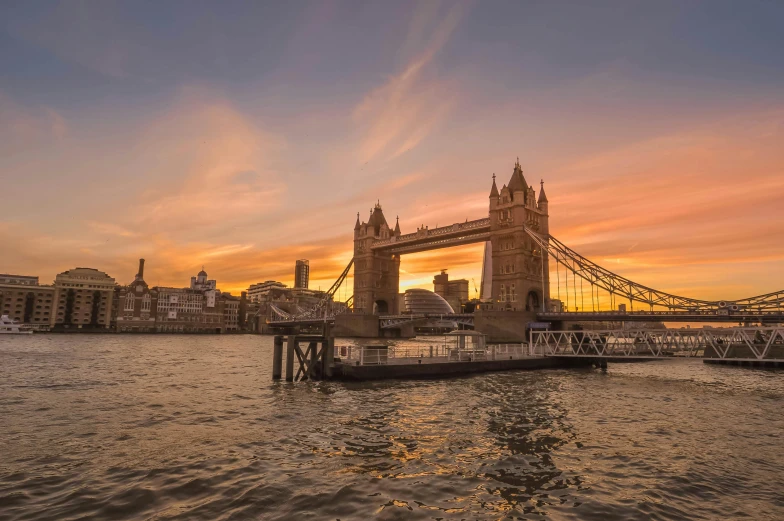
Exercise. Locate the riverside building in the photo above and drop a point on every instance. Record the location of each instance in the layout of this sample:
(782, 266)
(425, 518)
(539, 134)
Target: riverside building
(185, 310)
(265, 291)
(135, 306)
(203, 308)
(83, 297)
(24, 300)
(302, 274)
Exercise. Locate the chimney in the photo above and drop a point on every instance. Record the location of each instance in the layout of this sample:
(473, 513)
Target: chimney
(141, 269)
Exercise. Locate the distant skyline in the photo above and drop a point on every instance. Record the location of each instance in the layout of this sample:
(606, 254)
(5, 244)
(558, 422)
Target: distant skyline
(244, 136)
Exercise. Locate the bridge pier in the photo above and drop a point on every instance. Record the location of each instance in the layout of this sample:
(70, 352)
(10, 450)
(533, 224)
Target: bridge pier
(315, 361)
(504, 326)
(357, 325)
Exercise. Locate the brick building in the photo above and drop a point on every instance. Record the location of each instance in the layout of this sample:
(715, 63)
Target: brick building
(23, 299)
(83, 297)
(185, 310)
(455, 292)
(135, 306)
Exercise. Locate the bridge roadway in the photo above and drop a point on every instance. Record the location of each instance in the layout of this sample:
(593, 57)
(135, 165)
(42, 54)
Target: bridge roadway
(770, 317)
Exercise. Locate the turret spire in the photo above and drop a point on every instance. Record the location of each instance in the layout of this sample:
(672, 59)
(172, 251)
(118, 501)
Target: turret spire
(494, 189)
(397, 225)
(356, 226)
(542, 196)
(517, 182)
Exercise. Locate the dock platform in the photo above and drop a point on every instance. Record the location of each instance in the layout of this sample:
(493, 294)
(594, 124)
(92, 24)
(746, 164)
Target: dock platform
(441, 368)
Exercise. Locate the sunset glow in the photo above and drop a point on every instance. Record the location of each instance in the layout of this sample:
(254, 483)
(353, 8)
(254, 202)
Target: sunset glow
(243, 155)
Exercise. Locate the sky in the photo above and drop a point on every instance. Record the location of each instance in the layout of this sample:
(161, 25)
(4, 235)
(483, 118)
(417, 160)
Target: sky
(242, 136)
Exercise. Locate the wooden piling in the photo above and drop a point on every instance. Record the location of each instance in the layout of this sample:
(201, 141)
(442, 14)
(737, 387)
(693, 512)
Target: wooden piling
(310, 359)
(291, 341)
(277, 358)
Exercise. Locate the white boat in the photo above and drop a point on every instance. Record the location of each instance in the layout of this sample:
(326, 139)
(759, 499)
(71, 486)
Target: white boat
(11, 327)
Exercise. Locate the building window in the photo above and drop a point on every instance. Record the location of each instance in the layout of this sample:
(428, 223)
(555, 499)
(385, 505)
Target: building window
(129, 302)
(146, 302)
(503, 292)
(512, 294)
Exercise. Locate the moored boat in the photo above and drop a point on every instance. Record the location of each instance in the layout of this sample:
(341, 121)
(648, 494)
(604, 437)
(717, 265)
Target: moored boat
(12, 327)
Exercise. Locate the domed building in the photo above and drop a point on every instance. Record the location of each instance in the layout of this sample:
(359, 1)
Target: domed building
(424, 302)
(201, 283)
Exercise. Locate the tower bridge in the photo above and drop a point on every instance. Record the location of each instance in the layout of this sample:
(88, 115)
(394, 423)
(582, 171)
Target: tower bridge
(516, 277)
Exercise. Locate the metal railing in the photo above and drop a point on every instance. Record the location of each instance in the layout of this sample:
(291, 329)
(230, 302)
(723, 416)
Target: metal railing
(373, 355)
(742, 343)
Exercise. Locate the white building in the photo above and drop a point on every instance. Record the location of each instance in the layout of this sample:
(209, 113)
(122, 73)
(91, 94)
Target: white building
(201, 283)
(261, 291)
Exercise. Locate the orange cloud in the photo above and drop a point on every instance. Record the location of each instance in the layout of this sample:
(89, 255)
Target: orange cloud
(211, 165)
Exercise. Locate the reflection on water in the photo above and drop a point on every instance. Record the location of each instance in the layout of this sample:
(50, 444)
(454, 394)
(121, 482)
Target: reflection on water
(185, 427)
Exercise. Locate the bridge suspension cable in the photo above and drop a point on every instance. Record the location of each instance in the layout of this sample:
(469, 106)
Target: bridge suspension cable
(326, 306)
(603, 278)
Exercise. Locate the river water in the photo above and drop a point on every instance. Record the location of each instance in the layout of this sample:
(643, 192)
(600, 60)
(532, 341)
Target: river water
(191, 427)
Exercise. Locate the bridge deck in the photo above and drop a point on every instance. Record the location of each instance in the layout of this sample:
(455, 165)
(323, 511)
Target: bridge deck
(661, 316)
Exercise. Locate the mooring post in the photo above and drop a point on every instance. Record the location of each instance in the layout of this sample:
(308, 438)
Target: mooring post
(329, 356)
(291, 341)
(277, 357)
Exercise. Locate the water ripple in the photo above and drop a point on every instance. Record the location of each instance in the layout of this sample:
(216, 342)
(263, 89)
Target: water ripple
(189, 428)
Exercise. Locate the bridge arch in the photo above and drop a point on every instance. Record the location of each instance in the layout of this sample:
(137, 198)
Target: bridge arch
(533, 301)
(380, 307)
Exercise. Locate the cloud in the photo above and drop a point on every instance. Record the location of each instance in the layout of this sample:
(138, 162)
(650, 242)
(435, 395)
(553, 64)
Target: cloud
(397, 116)
(103, 228)
(207, 166)
(681, 198)
(677, 211)
(28, 127)
(92, 35)
(170, 262)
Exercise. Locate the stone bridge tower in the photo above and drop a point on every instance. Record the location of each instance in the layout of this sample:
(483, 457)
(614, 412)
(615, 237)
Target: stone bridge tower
(520, 271)
(376, 274)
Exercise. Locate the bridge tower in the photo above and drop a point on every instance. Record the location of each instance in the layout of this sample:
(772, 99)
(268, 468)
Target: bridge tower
(376, 274)
(520, 271)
